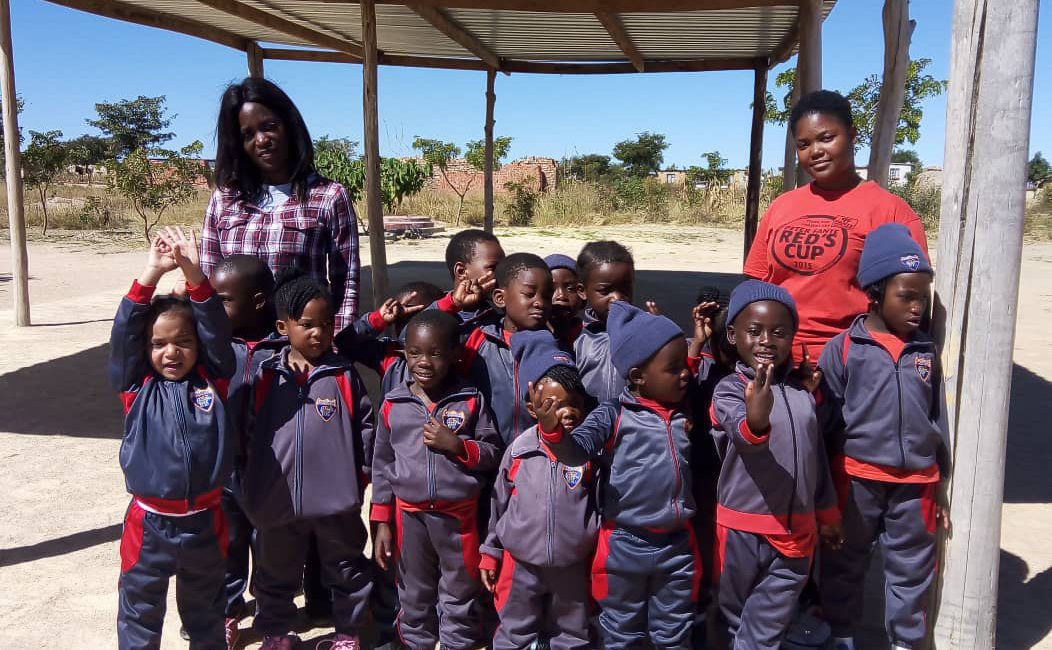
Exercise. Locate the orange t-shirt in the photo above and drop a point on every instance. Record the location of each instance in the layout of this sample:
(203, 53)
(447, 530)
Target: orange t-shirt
(810, 241)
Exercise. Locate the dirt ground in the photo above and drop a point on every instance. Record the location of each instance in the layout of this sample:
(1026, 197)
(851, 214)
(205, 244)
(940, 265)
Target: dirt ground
(60, 424)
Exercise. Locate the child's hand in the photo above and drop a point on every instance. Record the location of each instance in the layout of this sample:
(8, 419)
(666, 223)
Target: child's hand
(395, 311)
(702, 314)
(807, 374)
(159, 261)
(550, 414)
(383, 545)
(186, 253)
(942, 510)
(440, 438)
(759, 400)
(468, 294)
(653, 308)
(832, 535)
(489, 579)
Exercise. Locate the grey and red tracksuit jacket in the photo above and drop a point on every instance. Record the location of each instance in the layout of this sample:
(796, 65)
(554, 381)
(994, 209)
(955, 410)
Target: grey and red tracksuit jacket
(306, 442)
(488, 364)
(774, 482)
(543, 512)
(178, 447)
(404, 469)
(644, 452)
(880, 411)
(592, 351)
(364, 343)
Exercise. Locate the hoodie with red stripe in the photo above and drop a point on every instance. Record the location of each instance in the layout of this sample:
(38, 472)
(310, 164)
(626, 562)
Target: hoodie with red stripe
(406, 469)
(489, 364)
(178, 442)
(306, 442)
(776, 482)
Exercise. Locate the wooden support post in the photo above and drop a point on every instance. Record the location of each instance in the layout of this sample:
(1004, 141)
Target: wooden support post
(898, 30)
(808, 69)
(491, 99)
(752, 192)
(255, 60)
(988, 111)
(374, 204)
(15, 208)
(789, 161)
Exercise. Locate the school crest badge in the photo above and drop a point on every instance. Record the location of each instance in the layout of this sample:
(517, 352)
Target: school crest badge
(453, 420)
(910, 262)
(327, 407)
(204, 398)
(573, 476)
(923, 365)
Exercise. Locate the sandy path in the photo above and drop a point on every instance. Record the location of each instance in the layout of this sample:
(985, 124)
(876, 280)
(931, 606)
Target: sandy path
(60, 424)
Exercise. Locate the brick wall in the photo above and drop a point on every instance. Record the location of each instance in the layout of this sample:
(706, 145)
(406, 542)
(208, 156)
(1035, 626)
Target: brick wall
(539, 174)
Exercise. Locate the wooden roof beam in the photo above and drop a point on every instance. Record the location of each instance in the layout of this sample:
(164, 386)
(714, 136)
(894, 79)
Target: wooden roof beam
(149, 18)
(613, 26)
(443, 23)
(592, 6)
(279, 24)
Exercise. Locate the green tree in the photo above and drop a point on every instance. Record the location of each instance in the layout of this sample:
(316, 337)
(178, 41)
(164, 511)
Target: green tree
(89, 150)
(346, 146)
(590, 167)
(19, 105)
(1038, 170)
(865, 98)
(43, 160)
(779, 113)
(910, 157)
(155, 180)
(643, 156)
(398, 178)
(475, 152)
(133, 124)
(714, 174)
(439, 154)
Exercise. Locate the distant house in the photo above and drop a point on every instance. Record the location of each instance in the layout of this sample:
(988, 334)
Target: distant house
(897, 173)
(672, 176)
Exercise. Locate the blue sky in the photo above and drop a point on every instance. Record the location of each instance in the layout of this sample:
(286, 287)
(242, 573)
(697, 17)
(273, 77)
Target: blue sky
(67, 60)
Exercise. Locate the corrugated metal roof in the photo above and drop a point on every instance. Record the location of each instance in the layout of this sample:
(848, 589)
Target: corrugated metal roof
(751, 32)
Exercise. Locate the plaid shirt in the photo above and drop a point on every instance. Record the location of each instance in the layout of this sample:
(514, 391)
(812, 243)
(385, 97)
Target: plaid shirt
(307, 235)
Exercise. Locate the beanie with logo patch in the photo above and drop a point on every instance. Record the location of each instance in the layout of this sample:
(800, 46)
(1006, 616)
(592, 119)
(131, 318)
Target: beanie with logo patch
(890, 250)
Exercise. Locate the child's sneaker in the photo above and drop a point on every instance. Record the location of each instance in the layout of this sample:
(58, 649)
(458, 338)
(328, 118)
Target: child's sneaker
(232, 633)
(279, 642)
(340, 642)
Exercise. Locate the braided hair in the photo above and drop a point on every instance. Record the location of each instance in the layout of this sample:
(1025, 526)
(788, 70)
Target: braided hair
(294, 289)
(570, 379)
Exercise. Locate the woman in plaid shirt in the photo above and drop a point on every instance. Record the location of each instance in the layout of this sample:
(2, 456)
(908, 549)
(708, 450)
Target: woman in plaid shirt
(270, 202)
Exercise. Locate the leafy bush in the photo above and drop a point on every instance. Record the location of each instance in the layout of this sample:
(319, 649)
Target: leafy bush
(523, 204)
(926, 201)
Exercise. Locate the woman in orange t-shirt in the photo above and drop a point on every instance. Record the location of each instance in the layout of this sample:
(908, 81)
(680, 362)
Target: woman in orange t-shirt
(810, 239)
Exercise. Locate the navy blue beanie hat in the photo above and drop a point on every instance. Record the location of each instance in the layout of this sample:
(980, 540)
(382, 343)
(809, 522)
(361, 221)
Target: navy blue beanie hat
(889, 250)
(560, 261)
(636, 335)
(535, 353)
(752, 291)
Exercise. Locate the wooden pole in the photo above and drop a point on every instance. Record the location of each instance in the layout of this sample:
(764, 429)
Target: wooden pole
(255, 60)
(15, 209)
(898, 30)
(374, 206)
(491, 99)
(752, 192)
(808, 64)
(980, 248)
(789, 161)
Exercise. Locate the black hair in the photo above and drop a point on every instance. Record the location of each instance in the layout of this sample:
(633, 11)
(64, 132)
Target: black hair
(570, 379)
(725, 354)
(709, 293)
(439, 321)
(252, 268)
(294, 289)
(512, 265)
(597, 253)
(875, 291)
(426, 292)
(461, 246)
(164, 303)
(823, 102)
(234, 171)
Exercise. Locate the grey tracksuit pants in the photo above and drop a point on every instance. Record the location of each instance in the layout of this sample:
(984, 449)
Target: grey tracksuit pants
(901, 516)
(758, 589)
(550, 601)
(280, 553)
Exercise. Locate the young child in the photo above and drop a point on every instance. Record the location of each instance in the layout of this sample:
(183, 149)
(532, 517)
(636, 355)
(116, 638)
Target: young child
(435, 441)
(607, 274)
(171, 359)
(883, 388)
(524, 295)
(304, 474)
(775, 491)
(543, 523)
(565, 319)
(645, 572)
(245, 284)
(471, 256)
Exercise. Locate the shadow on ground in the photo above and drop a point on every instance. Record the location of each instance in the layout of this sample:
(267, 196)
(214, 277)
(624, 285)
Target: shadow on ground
(59, 545)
